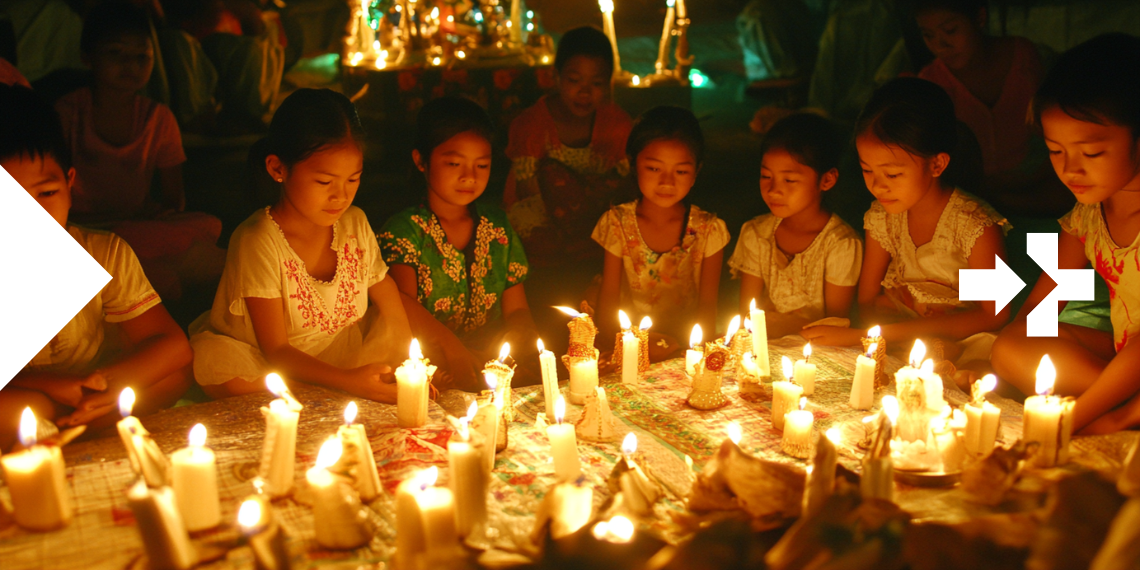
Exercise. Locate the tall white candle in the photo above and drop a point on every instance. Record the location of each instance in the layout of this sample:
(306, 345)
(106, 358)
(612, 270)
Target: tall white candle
(583, 379)
(486, 422)
(358, 450)
(798, 424)
(563, 445)
(1048, 419)
(336, 508)
(37, 481)
(983, 419)
(549, 368)
(945, 432)
(607, 7)
(278, 454)
(146, 458)
(863, 385)
(571, 506)
(161, 528)
(467, 478)
(195, 482)
(821, 473)
(631, 349)
(759, 320)
(412, 389)
(932, 384)
(666, 33)
(266, 538)
(785, 395)
(805, 372)
(694, 354)
(425, 521)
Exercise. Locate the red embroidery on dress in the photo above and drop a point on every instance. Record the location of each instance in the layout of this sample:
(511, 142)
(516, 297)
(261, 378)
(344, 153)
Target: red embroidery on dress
(344, 313)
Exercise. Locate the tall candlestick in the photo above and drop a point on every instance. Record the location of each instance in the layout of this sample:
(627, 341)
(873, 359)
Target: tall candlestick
(863, 385)
(630, 347)
(877, 481)
(759, 324)
(163, 533)
(412, 388)
(280, 449)
(983, 419)
(663, 50)
(549, 368)
(695, 352)
(798, 424)
(358, 453)
(563, 445)
(1048, 419)
(821, 474)
(488, 418)
(467, 478)
(147, 459)
(195, 481)
(337, 516)
(37, 481)
(879, 355)
(785, 395)
(607, 7)
(805, 372)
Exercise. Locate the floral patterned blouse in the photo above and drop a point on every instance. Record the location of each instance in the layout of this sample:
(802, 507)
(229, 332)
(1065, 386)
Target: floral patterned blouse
(664, 285)
(464, 293)
(1118, 265)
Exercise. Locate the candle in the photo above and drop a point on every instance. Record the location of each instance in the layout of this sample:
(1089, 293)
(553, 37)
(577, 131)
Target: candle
(569, 506)
(486, 422)
(596, 422)
(147, 459)
(805, 372)
(797, 431)
(932, 385)
(693, 355)
(358, 454)
(265, 536)
(1048, 419)
(945, 431)
(663, 49)
(607, 7)
(876, 348)
(581, 358)
(631, 350)
(863, 385)
(583, 379)
(337, 510)
(913, 419)
(749, 378)
(425, 521)
(983, 419)
(37, 481)
(759, 320)
(163, 534)
(195, 481)
(563, 445)
(280, 448)
(785, 395)
(618, 530)
(467, 478)
(516, 21)
(821, 473)
(412, 389)
(549, 373)
(638, 491)
(878, 470)
(706, 392)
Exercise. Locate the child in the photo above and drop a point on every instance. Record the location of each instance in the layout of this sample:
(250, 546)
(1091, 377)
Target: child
(663, 255)
(300, 274)
(568, 152)
(120, 140)
(921, 230)
(800, 262)
(122, 337)
(1089, 109)
(459, 263)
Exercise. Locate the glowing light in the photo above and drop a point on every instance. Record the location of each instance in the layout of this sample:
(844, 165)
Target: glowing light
(629, 444)
(381, 62)
(733, 326)
(917, 353)
(356, 57)
(492, 380)
(472, 410)
(807, 351)
(607, 6)
(874, 332)
(530, 14)
(748, 324)
(461, 54)
(1046, 376)
(198, 435)
(871, 349)
(436, 61)
(330, 453)
(530, 26)
(752, 305)
(427, 477)
(126, 401)
(249, 515)
(617, 530)
(450, 18)
(989, 382)
(27, 430)
(414, 352)
(927, 367)
(509, 23)
(786, 366)
(803, 402)
(435, 13)
(541, 347)
(645, 323)
(504, 351)
(478, 16)
(546, 59)
(350, 413)
(696, 336)
(567, 310)
(891, 408)
(624, 320)
(698, 79)
(636, 80)
(275, 384)
(559, 409)
(735, 432)
(834, 435)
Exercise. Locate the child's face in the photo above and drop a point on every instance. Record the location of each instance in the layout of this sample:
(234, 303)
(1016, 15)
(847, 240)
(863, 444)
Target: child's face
(124, 63)
(583, 84)
(1094, 161)
(321, 187)
(459, 168)
(950, 36)
(897, 178)
(666, 171)
(789, 186)
(45, 181)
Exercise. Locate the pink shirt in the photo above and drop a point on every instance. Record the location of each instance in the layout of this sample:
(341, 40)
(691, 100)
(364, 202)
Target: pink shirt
(1002, 131)
(115, 181)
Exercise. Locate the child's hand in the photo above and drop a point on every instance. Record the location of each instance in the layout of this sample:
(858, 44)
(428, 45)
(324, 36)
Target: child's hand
(832, 336)
(90, 408)
(69, 391)
(372, 381)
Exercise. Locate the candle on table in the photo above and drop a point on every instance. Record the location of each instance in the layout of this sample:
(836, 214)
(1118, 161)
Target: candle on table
(161, 528)
(639, 492)
(147, 459)
(488, 421)
(563, 445)
(913, 419)
(785, 395)
(264, 534)
(425, 521)
(569, 506)
(581, 358)
(706, 390)
(821, 473)
(879, 355)
(618, 530)
(932, 385)
(549, 368)
(607, 7)
(596, 422)
(358, 451)
(412, 389)
(467, 478)
(945, 431)
(693, 355)
(759, 320)
(863, 385)
(583, 379)
(749, 379)
(280, 449)
(663, 49)
(877, 481)
(337, 516)
(798, 424)
(983, 419)
(1048, 419)
(805, 372)
(630, 351)
(195, 479)
(37, 481)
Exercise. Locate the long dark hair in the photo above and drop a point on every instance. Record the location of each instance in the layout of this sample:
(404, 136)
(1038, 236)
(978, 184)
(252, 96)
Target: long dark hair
(307, 121)
(1095, 82)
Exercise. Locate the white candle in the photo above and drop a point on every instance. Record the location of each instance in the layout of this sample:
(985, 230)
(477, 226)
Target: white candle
(805, 372)
(1048, 419)
(785, 395)
(666, 33)
(877, 479)
(759, 320)
(821, 473)
(571, 507)
(563, 445)
(631, 349)
(946, 435)
(486, 422)
(280, 449)
(336, 509)
(748, 364)
(583, 379)
(425, 521)
(798, 424)
(983, 419)
(467, 478)
(412, 389)
(266, 538)
(914, 419)
(358, 450)
(549, 368)
(932, 384)
(596, 421)
(195, 482)
(37, 481)
(161, 528)
(863, 385)
(146, 458)
(607, 7)
(694, 354)
(636, 488)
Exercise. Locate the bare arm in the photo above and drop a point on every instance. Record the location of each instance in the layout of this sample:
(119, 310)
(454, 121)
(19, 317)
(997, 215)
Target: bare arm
(608, 298)
(386, 296)
(173, 190)
(709, 291)
(751, 286)
(1117, 383)
(875, 263)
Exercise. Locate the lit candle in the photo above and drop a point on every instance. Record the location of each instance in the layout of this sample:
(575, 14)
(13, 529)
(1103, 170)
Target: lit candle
(759, 320)
(280, 449)
(821, 473)
(265, 536)
(639, 492)
(147, 459)
(945, 431)
(161, 528)
(630, 351)
(798, 424)
(618, 530)
(932, 384)
(876, 348)
(425, 521)
(1048, 419)
(568, 506)
(607, 7)
(750, 374)
(877, 481)
(358, 451)
(913, 419)
(563, 445)
(549, 368)
(663, 50)
(487, 420)
(195, 481)
(336, 508)
(596, 422)
(503, 373)
(581, 358)
(583, 379)
(467, 477)
(785, 395)
(693, 355)
(805, 372)
(412, 389)
(983, 419)
(37, 481)
(863, 386)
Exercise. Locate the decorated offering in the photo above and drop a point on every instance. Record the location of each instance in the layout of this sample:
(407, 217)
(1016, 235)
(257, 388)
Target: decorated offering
(581, 358)
(878, 354)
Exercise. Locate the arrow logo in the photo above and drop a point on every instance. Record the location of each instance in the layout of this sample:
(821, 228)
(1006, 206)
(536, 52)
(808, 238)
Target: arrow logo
(999, 284)
(53, 277)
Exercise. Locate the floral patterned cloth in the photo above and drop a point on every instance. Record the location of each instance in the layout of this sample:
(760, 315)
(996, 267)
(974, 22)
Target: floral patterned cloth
(795, 284)
(1119, 266)
(663, 285)
(319, 315)
(464, 293)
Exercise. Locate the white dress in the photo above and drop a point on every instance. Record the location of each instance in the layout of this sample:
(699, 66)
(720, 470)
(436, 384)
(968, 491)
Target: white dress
(323, 319)
(795, 284)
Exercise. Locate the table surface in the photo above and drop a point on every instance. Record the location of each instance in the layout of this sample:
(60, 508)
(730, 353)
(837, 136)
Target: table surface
(102, 533)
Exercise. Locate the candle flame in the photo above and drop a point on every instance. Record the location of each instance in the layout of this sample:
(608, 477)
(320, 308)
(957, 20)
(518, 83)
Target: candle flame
(645, 323)
(624, 320)
(356, 57)
(435, 13)
(636, 80)
(733, 326)
(607, 6)
(803, 402)
(868, 419)
(472, 410)
(875, 331)
(786, 366)
(1046, 376)
(275, 384)
(382, 61)
(350, 413)
(696, 336)
(735, 432)
(989, 382)
(492, 380)
(126, 401)
(436, 61)
(460, 54)
(545, 58)
(414, 352)
(891, 408)
(629, 444)
(752, 306)
(917, 353)
(330, 453)
(569, 312)
(541, 347)
(834, 435)
(871, 350)
(28, 425)
(620, 530)
(927, 367)
(249, 515)
(807, 351)
(688, 461)
(450, 18)
(198, 435)
(559, 409)
(505, 351)
(748, 324)
(670, 3)
(427, 477)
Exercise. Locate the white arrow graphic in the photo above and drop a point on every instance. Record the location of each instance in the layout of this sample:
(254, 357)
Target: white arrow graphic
(1072, 285)
(999, 284)
(49, 277)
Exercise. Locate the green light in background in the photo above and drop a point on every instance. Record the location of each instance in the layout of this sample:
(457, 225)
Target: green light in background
(699, 80)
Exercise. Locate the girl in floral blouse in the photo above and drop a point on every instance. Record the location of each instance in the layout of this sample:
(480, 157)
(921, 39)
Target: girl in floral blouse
(459, 263)
(663, 255)
(294, 297)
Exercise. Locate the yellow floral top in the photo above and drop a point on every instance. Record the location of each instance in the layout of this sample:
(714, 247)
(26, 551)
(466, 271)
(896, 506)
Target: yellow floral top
(461, 289)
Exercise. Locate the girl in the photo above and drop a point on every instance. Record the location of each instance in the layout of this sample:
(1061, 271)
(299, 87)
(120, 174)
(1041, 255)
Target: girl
(122, 337)
(921, 229)
(120, 141)
(458, 263)
(568, 152)
(300, 274)
(800, 262)
(663, 255)
(1089, 109)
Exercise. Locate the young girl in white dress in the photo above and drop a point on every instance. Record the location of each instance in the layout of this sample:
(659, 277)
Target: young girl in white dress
(294, 297)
